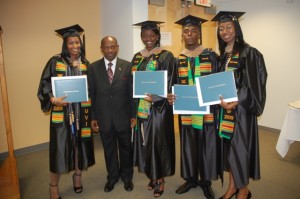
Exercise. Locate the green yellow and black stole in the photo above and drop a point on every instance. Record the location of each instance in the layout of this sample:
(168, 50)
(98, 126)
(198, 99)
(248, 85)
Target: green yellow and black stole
(227, 117)
(58, 112)
(203, 66)
(144, 106)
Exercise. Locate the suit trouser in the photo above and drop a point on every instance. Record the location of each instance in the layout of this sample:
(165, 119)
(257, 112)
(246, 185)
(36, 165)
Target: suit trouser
(118, 154)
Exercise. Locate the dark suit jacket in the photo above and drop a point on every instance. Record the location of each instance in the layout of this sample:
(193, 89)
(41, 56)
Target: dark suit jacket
(111, 104)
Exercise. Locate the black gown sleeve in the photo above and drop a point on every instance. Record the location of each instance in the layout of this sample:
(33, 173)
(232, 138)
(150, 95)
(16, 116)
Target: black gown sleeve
(45, 89)
(255, 77)
(165, 62)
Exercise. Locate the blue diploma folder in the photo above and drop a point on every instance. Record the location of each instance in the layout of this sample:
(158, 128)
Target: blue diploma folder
(187, 100)
(149, 82)
(211, 87)
(74, 87)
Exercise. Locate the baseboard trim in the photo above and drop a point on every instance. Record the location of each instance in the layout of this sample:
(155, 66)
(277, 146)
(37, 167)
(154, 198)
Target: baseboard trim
(264, 128)
(45, 145)
(30, 149)
(26, 150)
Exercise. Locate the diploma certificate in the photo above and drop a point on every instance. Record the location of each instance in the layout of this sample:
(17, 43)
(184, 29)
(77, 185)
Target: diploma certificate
(211, 87)
(187, 100)
(150, 82)
(74, 87)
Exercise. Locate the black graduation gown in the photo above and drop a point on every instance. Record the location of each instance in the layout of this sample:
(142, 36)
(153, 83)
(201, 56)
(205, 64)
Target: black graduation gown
(155, 153)
(61, 145)
(199, 152)
(242, 151)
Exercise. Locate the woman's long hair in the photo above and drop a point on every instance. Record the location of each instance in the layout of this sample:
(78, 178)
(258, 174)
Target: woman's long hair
(239, 42)
(64, 51)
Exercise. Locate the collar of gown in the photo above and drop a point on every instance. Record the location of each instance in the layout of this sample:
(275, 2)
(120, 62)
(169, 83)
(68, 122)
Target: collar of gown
(146, 53)
(193, 53)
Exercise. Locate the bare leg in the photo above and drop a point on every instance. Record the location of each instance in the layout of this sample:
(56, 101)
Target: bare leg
(159, 187)
(231, 189)
(77, 175)
(54, 191)
(243, 193)
(151, 184)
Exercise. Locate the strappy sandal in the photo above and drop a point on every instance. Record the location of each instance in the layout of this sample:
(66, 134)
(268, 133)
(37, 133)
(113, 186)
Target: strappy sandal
(76, 189)
(158, 192)
(151, 185)
(53, 187)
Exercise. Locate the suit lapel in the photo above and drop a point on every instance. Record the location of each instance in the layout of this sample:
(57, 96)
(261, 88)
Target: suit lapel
(103, 71)
(118, 71)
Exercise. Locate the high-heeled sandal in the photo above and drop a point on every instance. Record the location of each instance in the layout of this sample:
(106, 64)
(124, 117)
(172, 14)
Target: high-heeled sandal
(235, 194)
(52, 187)
(157, 191)
(76, 189)
(151, 185)
(249, 195)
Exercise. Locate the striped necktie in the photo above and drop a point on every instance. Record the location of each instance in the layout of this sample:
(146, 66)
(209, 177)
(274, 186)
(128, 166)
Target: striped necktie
(110, 72)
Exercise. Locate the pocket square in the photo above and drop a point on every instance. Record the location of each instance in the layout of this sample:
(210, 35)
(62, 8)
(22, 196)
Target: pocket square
(124, 78)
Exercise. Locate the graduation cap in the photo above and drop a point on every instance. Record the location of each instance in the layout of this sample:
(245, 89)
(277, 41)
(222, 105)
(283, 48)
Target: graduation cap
(149, 25)
(191, 20)
(70, 29)
(224, 16)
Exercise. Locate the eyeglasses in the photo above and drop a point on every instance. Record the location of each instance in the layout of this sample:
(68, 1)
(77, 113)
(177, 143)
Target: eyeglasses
(113, 47)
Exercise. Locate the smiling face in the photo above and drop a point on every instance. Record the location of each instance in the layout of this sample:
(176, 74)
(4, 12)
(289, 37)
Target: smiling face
(226, 31)
(73, 46)
(191, 36)
(149, 38)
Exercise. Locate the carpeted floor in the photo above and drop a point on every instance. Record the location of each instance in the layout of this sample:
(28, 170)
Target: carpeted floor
(280, 177)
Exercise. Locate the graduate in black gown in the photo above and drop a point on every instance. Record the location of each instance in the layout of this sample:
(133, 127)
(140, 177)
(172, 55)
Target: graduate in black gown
(154, 142)
(238, 120)
(71, 144)
(198, 133)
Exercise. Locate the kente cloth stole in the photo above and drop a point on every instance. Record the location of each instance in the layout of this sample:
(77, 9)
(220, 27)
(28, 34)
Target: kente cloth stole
(202, 65)
(227, 117)
(57, 117)
(144, 106)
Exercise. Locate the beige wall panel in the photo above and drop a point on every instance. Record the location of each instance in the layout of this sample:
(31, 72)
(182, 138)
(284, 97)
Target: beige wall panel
(171, 12)
(29, 41)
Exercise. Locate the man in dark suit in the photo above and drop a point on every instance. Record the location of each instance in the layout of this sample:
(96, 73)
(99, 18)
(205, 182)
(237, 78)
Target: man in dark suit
(110, 89)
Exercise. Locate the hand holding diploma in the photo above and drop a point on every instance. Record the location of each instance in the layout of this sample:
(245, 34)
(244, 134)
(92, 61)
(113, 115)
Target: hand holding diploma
(148, 98)
(228, 105)
(59, 101)
(171, 98)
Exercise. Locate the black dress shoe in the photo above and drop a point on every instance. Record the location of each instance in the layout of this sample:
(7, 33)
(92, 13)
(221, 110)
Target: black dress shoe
(109, 186)
(128, 186)
(208, 192)
(185, 187)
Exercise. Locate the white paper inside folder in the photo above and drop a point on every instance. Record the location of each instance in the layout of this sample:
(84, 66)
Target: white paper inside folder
(295, 104)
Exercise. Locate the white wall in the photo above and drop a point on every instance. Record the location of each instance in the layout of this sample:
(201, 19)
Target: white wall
(140, 13)
(272, 26)
(117, 18)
